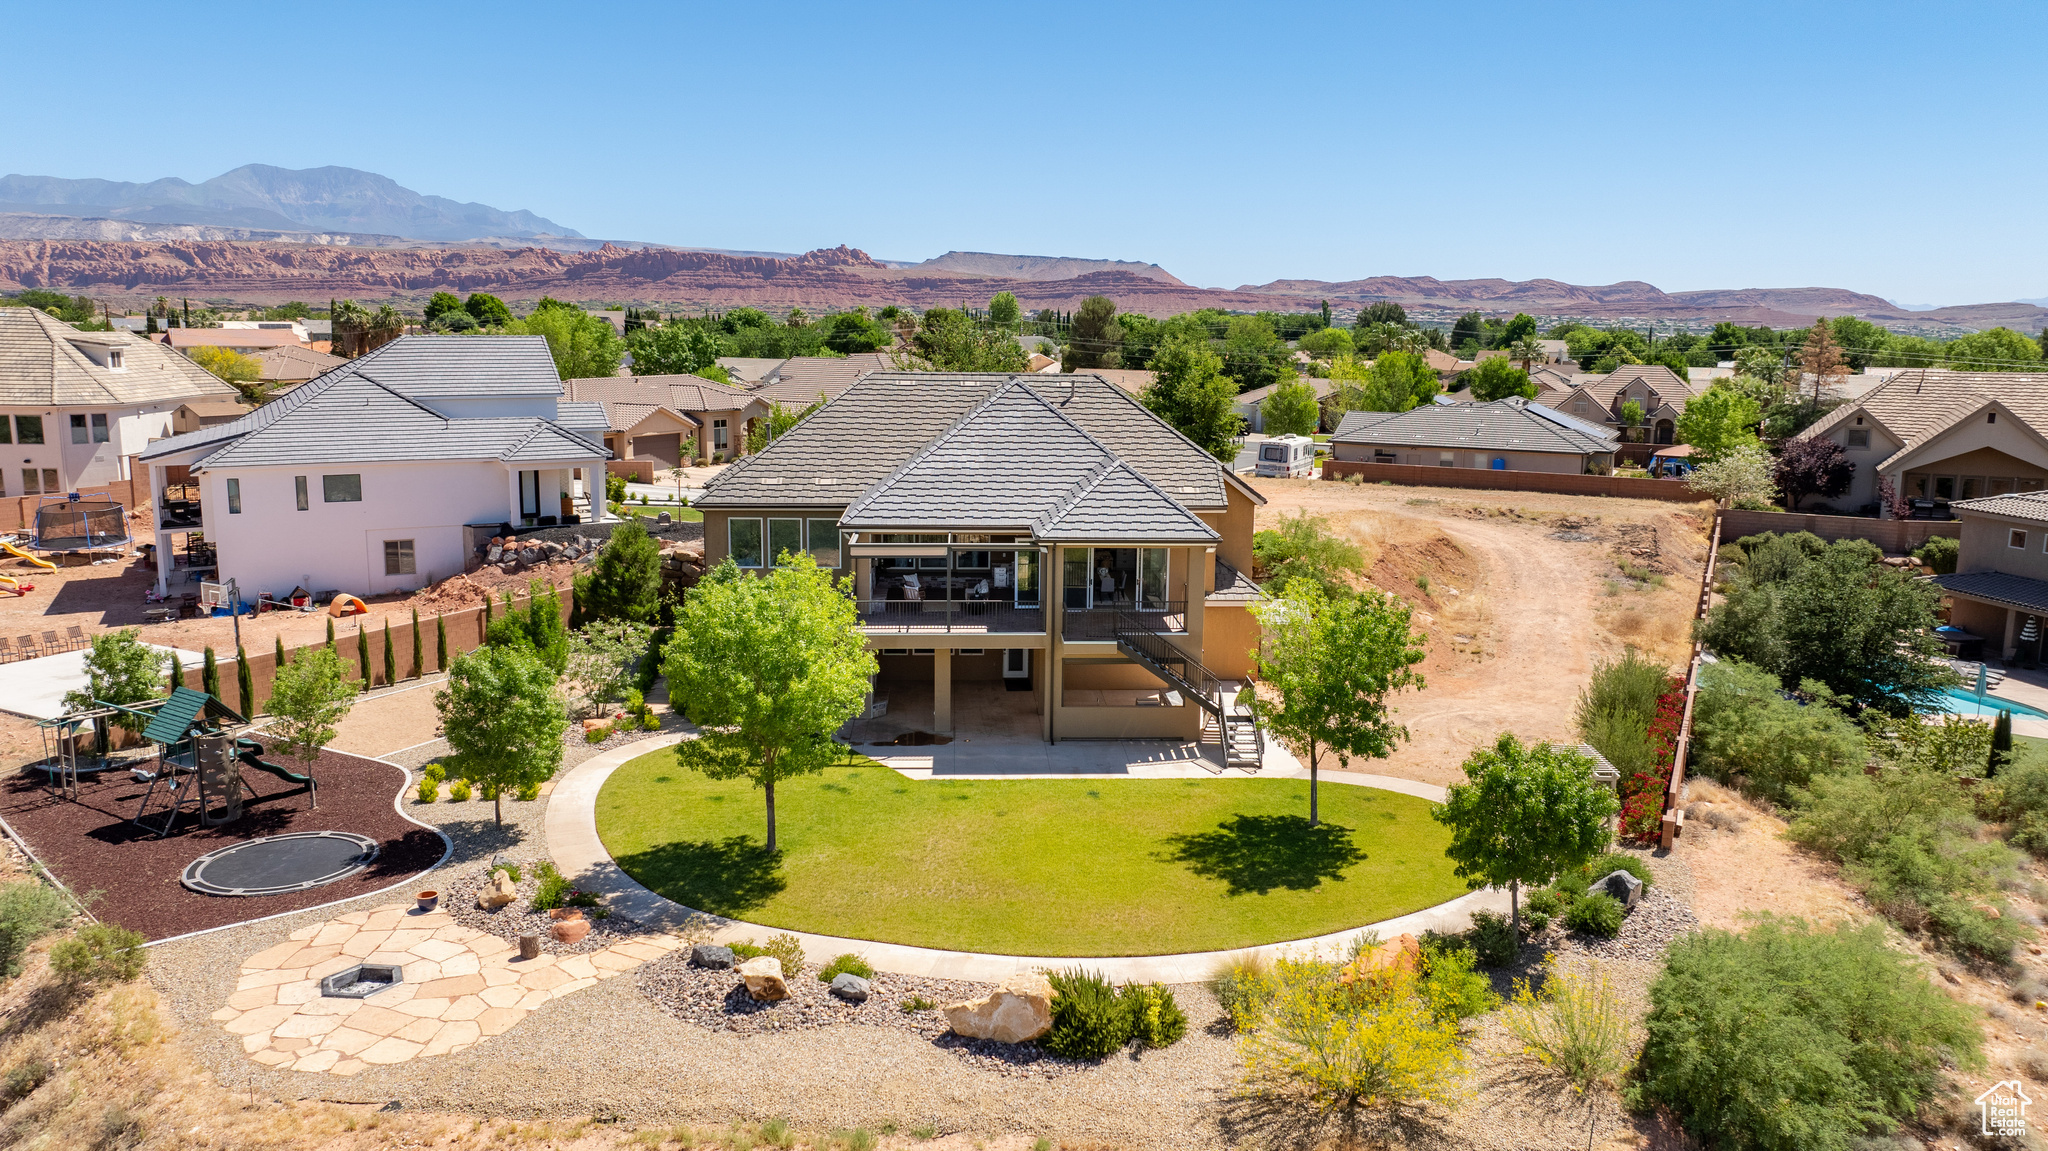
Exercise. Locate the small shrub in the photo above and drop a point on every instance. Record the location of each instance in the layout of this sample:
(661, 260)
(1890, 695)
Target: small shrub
(1536, 921)
(28, 911)
(848, 964)
(434, 771)
(1549, 903)
(458, 792)
(650, 722)
(743, 951)
(774, 1131)
(1595, 915)
(1939, 553)
(1615, 861)
(924, 1131)
(1577, 1025)
(511, 870)
(786, 948)
(1087, 1020)
(1450, 984)
(1155, 1019)
(1493, 939)
(1243, 985)
(103, 952)
(429, 790)
(582, 899)
(915, 1004)
(23, 1078)
(529, 792)
(597, 734)
(553, 890)
(1373, 1046)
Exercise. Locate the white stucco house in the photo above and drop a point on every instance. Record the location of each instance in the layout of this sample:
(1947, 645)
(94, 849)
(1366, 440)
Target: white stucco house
(74, 406)
(376, 476)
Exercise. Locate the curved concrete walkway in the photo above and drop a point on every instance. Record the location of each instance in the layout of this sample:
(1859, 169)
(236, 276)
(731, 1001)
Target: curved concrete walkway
(571, 827)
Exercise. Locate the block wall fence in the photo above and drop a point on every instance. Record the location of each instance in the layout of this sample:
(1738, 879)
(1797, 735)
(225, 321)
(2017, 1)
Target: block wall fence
(1626, 487)
(1891, 535)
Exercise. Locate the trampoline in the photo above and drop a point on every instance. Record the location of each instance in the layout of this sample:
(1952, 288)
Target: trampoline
(280, 864)
(80, 525)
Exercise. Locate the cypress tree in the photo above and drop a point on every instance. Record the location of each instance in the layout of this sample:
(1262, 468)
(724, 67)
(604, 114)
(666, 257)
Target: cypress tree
(330, 633)
(363, 653)
(440, 643)
(245, 683)
(209, 674)
(2001, 745)
(177, 672)
(279, 659)
(390, 656)
(419, 655)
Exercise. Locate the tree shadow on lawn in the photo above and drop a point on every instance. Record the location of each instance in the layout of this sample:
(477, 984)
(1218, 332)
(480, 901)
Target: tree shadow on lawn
(730, 877)
(1256, 853)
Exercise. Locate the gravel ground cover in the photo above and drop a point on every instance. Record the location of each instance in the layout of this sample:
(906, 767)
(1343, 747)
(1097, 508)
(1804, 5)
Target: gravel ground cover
(517, 918)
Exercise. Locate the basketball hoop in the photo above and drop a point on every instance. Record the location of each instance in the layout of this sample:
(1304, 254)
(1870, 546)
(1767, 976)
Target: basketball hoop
(213, 595)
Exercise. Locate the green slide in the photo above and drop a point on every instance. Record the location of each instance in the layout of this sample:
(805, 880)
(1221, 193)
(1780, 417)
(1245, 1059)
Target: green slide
(250, 752)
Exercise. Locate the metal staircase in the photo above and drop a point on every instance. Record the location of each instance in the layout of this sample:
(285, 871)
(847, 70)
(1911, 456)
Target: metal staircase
(1233, 723)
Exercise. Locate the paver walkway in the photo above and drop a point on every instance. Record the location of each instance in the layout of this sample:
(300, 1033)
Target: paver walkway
(461, 986)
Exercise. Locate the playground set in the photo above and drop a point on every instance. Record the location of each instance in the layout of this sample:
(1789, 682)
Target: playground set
(68, 526)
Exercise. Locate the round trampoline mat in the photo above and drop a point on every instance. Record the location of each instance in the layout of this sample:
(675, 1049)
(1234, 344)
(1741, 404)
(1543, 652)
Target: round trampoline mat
(278, 864)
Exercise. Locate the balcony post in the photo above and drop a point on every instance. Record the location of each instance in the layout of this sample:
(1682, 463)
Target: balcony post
(942, 690)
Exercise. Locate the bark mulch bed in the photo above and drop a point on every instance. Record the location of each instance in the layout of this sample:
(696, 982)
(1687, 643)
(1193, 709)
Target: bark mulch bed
(718, 1000)
(92, 846)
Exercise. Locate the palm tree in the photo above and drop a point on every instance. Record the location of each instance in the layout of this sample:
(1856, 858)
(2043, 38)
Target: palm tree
(1527, 350)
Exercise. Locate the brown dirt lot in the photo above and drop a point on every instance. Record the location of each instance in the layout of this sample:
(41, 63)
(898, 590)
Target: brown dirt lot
(1515, 617)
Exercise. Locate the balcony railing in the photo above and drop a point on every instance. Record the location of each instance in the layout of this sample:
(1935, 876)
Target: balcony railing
(1099, 623)
(178, 515)
(984, 616)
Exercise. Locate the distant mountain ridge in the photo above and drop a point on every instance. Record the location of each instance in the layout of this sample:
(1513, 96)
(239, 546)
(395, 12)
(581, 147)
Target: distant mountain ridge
(265, 198)
(1038, 267)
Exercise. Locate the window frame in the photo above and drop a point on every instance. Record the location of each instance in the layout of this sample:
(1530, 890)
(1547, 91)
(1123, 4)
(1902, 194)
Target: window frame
(115, 360)
(29, 430)
(721, 436)
(234, 496)
(31, 481)
(102, 430)
(760, 544)
(80, 434)
(401, 555)
(1859, 434)
(328, 488)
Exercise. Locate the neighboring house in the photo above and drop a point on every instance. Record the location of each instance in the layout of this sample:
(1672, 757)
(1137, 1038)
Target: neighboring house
(1042, 365)
(1550, 379)
(1999, 590)
(1506, 435)
(247, 341)
(1600, 397)
(289, 366)
(1045, 531)
(1132, 380)
(1942, 436)
(1444, 363)
(799, 381)
(1247, 405)
(616, 317)
(383, 474)
(746, 371)
(193, 415)
(295, 327)
(74, 406)
(673, 420)
(1554, 352)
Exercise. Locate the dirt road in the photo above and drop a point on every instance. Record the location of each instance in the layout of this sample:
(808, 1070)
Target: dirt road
(1520, 594)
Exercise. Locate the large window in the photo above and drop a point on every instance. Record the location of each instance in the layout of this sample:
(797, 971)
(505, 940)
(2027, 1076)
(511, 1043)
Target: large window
(824, 541)
(299, 490)
(398, 559)
(78, 429)
(99, 427)
(718, 436)
(785, 537)
(743, 539)
(28, 429)
(341, 489)
(1075, 564)
(234, 497)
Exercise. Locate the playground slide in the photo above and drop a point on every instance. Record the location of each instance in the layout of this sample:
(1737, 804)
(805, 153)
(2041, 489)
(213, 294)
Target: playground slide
(250, 753)
(346, 605)
(10, 549)
(9, 583)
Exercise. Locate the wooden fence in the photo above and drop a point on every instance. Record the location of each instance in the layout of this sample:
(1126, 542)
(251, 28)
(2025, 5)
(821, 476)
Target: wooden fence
(1625, 487)
(1672, 822)
(1896, 536)
(465, 634)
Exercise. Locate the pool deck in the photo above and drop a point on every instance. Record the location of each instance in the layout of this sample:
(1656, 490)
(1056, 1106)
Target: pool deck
(2031, 689)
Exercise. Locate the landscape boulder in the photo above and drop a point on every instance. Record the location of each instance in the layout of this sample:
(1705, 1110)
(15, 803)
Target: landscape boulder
(712, 955)
(1018, 1011)
(498, 892)
(1402, 953)
(1622, 886)
(569, 925)
(850, 987)
(763, 974)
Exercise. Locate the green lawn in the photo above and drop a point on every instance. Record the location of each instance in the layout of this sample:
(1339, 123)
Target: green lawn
(1029, 867)
(649, 511)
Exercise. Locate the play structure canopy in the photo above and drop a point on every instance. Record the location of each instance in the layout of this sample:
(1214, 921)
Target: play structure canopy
(175, 719)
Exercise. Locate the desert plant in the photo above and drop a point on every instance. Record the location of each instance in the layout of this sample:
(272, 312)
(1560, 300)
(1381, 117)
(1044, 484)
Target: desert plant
(1087, 1020)
(789, 950)
(847, 964)
(1493, 938)
(915, 1004)
(553, 891)
(102, 952)
(1243, 984)
(23, 1078)
(459, 791)
(1154, 1018)
(429, 789)
(28, 911)
(1595, 915)
(1576, 1025)
(529, 791)
(1451, 985)
(597, 734)
(1939, 553)
(435, 772)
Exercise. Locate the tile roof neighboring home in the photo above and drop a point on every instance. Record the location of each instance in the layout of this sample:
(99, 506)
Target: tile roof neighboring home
(679, 394)
(2020, 592)
(1513, 424)
(1548, 378)
(1041, 364)
(1132, 380)
(2029, 506)
(45, 362)
(294, 364)
(1323, 389)
(1943, 435)
(1233, 586)
(798, 381)
(1442, 361)
(185, 339)
(862, 437)
(748, 370)
(207, 412)
(585, 418)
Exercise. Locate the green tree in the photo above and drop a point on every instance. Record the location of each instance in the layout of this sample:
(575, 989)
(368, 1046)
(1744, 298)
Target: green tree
(769, 667)
(538, 629)
(441, 642)
(363, 653)
(1718, 421)
(602, 655)
(1326, 670)
(1190, 392)
(245, 683)
(780, 420)
(1305, 546)
(1497, 379)
(1327, 342)
(1395, 382)
(1524, 816)
(308, 700)
(1381, 312)
(390, 655)
(673, 350)
(1521, 327)
(1292, 409)
(1003, 310)
(1527, 352)
(852, 332)
(231, 366)
(1996, 350)
(948, 341)
(625, 582)
(503, 720)
(1743, 729)
(1744, 477)
(1094, 338)
(443, 304)
(119, 669)
(583, 346)
(209, 675)
(419, 655)
(1469, 328)
(1254, 355)
(489, 310)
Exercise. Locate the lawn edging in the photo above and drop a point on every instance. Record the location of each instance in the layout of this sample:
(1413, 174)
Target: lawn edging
(574, 844)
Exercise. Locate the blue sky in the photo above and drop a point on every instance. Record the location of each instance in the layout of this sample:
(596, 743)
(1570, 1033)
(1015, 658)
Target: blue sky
(1889, 148)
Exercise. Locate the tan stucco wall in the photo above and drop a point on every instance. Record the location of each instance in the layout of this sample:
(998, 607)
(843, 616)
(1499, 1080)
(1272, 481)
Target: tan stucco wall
(1229, 637)
(1566, 463)
(1986, 547)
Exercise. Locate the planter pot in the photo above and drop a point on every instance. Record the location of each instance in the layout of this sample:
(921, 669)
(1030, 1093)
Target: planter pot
(428, 900)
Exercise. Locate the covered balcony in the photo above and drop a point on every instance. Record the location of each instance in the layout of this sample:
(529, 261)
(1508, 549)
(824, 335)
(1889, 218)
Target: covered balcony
(934, 585)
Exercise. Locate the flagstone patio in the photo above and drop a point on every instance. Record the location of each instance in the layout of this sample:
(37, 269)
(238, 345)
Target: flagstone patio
(461, 986)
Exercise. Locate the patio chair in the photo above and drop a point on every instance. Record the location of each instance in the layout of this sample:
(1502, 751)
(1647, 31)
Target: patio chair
(51, 643)
(6, 649)
(27, 647)
(75, 637)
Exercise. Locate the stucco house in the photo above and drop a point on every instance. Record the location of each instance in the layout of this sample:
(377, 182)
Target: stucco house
(672, 420)
(1942, 437)
(1999, 589)
(1030, 553)
(381, 474)
(1658, 390)
(75, 406)
(1513, 434)
(1248, 404)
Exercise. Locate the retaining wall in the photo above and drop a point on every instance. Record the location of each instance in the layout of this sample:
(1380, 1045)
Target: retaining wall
(1625, 487)
(1897, 536)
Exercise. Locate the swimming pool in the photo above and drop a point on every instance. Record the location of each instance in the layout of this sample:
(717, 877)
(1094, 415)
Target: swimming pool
(1963, 701)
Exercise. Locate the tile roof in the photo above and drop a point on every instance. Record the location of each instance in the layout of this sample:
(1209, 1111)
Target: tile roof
(1233, 586)
(676, 393)
(586, 419)
(1917, 405)
(1132, 380)
(2019, 506)
(232, 338)
(748, 369)
(1662, 382)
(454, 367)
(1504, 425)
(2029, 595)
(798, 381)
(295, 363)
(41, 365)
(861, 437)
